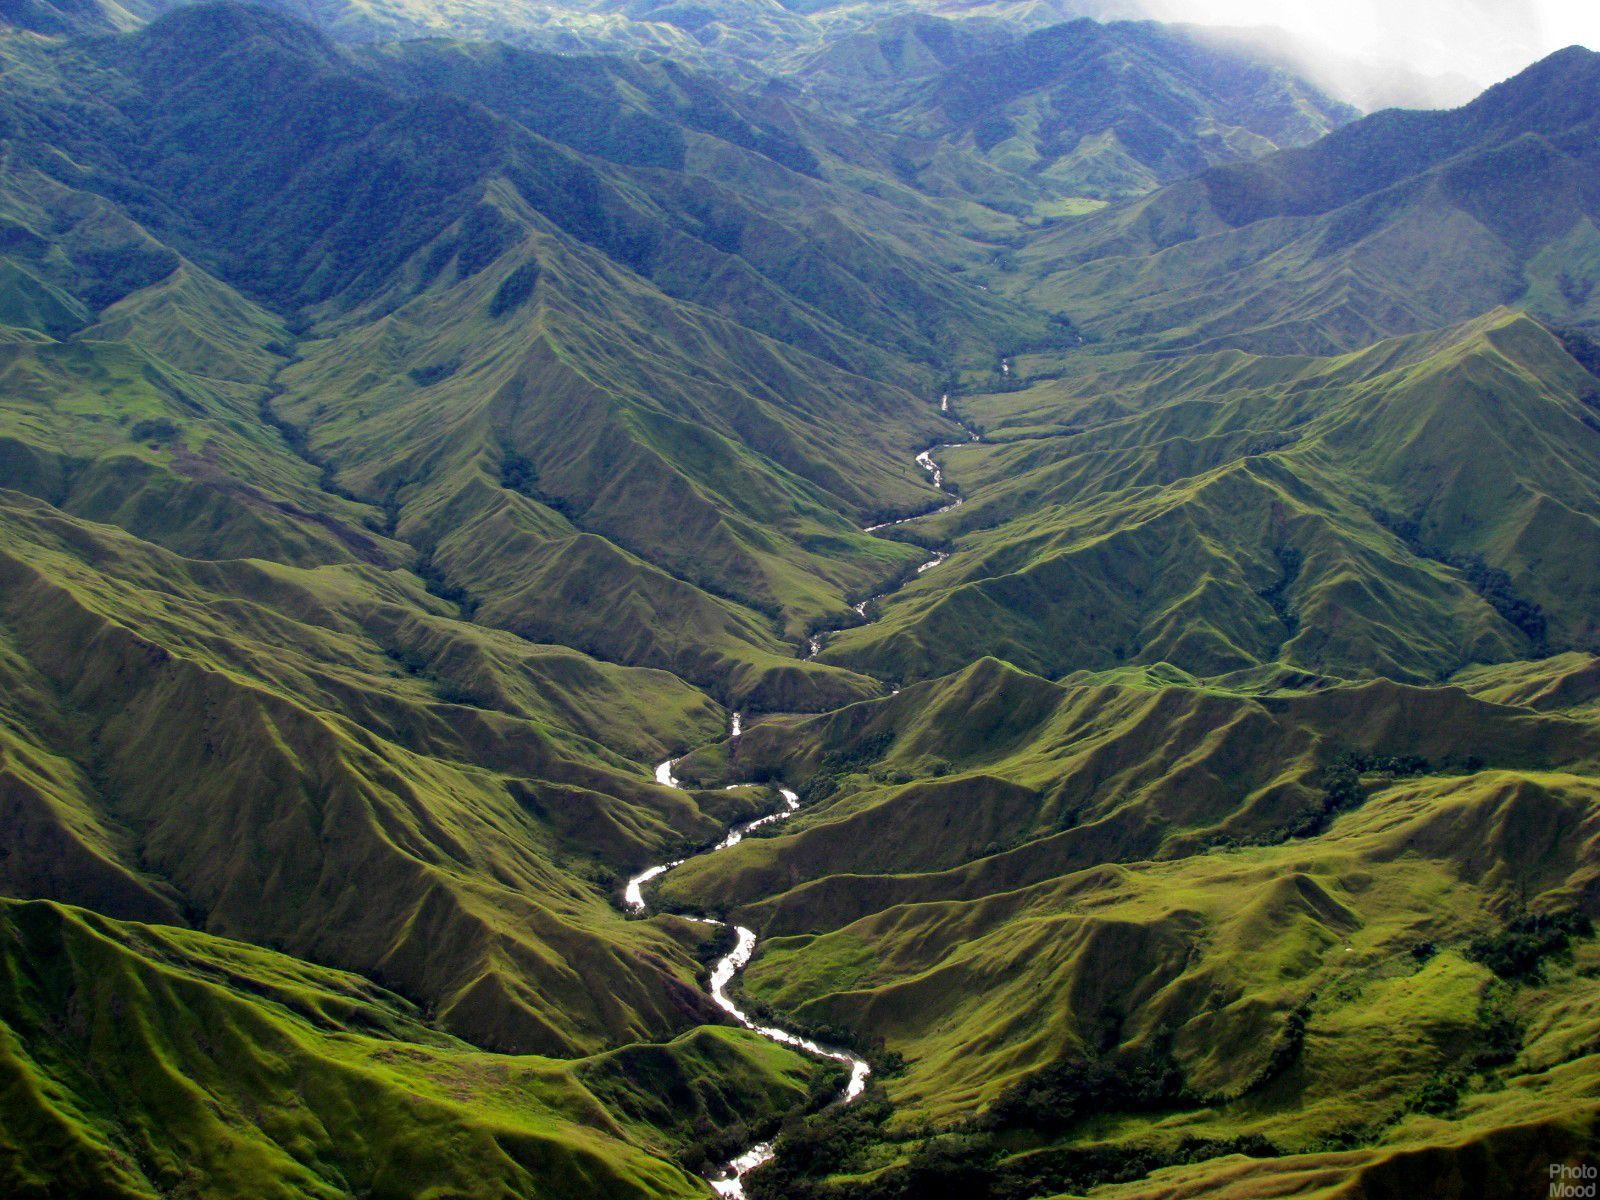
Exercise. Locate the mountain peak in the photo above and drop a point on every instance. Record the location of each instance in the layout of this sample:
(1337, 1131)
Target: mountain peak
(447, 484)
(1560, 87)
(223, 26)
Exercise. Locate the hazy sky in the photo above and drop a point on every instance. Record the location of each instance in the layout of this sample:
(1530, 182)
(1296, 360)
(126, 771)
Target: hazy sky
(1484, 40)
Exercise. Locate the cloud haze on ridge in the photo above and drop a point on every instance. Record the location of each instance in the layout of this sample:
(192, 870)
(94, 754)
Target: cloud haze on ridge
(1481, 40)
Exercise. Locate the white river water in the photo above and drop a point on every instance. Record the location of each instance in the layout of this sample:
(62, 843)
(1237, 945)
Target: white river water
(729, 1180)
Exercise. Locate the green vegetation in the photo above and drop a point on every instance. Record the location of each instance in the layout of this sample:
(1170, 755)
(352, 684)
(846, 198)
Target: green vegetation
(1383, 512)
(1519, 950)
(250, 1074)
(409, 440)
(1259, 920)
(1400, 223)
(1083, 109)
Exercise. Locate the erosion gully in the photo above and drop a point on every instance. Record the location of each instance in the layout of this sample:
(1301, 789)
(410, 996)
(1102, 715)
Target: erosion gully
(729, 1179)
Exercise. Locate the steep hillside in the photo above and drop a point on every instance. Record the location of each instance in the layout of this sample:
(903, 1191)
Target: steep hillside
(532, 584)
(1100, 111)
(514, 276)
(1406, 510)
(240, 1065)
(244, 691)
(1402, 222)
(324, 761)
(1227, 899)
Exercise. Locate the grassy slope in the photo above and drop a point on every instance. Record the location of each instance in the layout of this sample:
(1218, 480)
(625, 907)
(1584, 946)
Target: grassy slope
(251, 1074)
(718, 504)
(1103, 111)
(1402, 222)
(244, 647)
(1061, 776)
(232, 701)
(1162, 862)
(685, 337)
(231, 706)
(1404, 510)
(1287, 888)
(313, 760)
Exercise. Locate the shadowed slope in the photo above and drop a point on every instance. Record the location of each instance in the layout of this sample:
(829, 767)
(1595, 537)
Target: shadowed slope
(273, 746)
(264, 1076)
(1402, 222)
(1104, 111)
(535, 346)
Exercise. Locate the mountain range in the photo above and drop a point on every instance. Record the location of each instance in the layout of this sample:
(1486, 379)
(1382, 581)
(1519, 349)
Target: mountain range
(1092, 110)
(445, 471)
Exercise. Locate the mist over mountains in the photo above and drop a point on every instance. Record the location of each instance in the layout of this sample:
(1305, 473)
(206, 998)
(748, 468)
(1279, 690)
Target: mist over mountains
(1123, 521)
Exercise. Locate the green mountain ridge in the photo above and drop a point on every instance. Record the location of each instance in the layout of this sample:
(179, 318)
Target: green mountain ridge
(1399, 223)
(1102, 111)
(307, 1049)
(433, 486)
(1224, 512)
(1171, 867)
(497, 241)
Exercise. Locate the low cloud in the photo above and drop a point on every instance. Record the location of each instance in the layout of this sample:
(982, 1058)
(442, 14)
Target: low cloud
(1481, 41)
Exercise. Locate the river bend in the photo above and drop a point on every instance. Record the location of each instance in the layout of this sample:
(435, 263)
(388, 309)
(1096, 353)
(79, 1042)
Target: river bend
(729, 1180)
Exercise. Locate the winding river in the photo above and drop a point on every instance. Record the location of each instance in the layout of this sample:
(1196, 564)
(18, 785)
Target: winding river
(928, 463)
(729, 1180)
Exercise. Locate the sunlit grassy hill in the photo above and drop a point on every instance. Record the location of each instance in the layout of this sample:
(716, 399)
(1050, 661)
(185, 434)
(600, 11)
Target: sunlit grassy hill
(1287, 924)
(729, 366)
(408, 443)
(294, 391)
(1404, 510)
(250, 1074)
